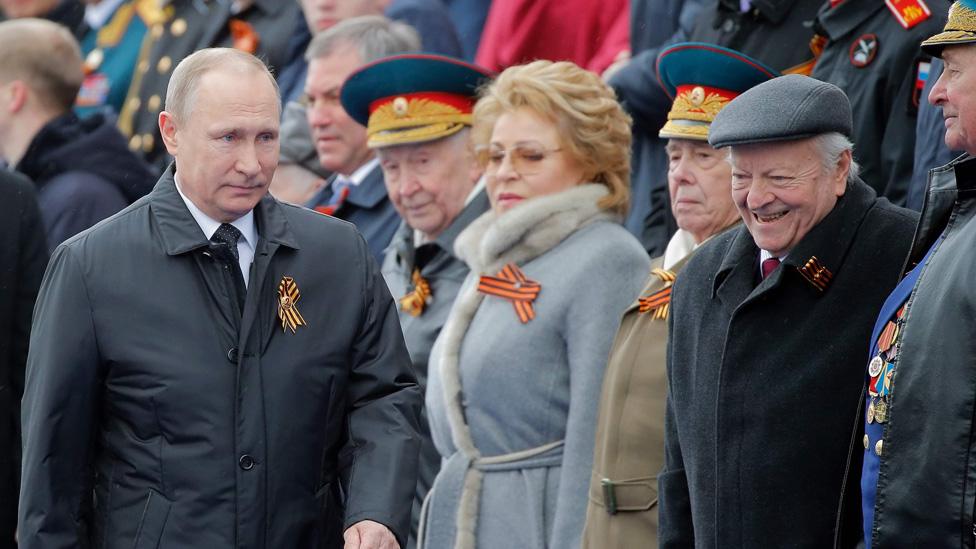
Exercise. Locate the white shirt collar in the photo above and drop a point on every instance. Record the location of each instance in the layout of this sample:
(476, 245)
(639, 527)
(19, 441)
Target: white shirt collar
(209, 225)
(681, 244)
(360, 174)
(96, 15)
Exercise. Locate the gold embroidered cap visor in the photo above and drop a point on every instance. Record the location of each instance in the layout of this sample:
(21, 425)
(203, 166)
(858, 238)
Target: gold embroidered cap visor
(959, 29)
(701, 79)
(412, 98)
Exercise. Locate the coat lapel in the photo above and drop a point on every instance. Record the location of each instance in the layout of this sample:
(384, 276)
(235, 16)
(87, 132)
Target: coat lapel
(368, 194)
(737, 274)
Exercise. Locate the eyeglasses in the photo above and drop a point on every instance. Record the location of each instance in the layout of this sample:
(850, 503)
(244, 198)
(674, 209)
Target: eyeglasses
(525, 158)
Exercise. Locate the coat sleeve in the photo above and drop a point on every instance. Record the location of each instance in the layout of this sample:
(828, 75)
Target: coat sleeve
(59, 411)
(383, 416)
(674, 503)
(592, 321)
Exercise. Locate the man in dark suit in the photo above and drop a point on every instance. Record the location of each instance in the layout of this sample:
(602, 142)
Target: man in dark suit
(212, 368)
(356, 192)
(769, 323)
(23, 256)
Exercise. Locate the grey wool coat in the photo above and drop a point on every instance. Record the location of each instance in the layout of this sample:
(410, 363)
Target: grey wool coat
(444, 273)
(156, 415)
(764, 378)
(512, 405)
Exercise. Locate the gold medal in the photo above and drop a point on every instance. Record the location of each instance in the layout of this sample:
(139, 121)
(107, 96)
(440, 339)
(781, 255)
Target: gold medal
(871, 412)
(881, 411)
(874, 368)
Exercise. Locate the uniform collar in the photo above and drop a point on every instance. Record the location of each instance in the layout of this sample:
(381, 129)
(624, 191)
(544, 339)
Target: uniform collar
(180, 232)
(846, 17)
(406, 249)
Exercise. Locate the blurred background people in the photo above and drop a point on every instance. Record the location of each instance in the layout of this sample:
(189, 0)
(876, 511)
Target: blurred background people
(356, 192)
(417, 113)
(70, 13)
(622, 510)
(516, 372)
(23, 256)
(82, 168)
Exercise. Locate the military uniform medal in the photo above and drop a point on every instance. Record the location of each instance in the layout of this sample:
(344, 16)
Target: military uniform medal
(288, 296)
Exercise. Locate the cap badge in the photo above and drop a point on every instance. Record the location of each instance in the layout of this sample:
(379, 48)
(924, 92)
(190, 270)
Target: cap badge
(400, 107)
(697, 96)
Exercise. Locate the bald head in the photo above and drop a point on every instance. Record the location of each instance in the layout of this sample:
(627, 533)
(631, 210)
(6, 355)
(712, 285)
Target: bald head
(185, 81)
(46, 57)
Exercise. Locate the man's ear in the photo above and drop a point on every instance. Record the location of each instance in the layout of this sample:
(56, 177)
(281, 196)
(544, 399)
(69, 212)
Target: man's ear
(15, 96)
(169, 131)
(840, 175)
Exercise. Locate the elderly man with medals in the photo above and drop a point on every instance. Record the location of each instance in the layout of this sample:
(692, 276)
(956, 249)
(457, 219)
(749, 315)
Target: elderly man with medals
(417, 113)
(701, 79)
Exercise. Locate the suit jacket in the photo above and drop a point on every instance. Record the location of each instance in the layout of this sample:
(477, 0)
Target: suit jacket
(764, 378)
(368, 208)
(23, 256)
(157, 415)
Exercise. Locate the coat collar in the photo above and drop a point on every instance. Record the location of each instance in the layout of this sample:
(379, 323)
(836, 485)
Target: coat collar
(180, 232)
(828, 242)
(845, 18)
(405, 248)
(370, 192)
(944, 187)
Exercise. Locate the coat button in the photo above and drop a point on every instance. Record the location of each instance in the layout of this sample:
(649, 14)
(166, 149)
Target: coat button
(878, 447)
(246, 462)
(232, 354)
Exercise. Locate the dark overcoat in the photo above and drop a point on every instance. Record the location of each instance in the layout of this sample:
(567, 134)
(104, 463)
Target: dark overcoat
(765, 378)
(198, 427)
(23, 256)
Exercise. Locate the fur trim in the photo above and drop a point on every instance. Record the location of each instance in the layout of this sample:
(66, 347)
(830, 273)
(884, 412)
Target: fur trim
(529, 229)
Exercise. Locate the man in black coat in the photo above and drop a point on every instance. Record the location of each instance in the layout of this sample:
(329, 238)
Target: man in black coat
(769, 324)
(23, 256)
(212, 368)
(82, 168)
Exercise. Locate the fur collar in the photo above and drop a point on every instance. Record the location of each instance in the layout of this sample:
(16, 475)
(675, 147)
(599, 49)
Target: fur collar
(529, 229)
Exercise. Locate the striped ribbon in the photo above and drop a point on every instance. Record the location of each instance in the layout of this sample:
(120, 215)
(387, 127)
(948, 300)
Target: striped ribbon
(335, 203)
(511, 283)
(414, 302)
(659, 302)
(288, 295)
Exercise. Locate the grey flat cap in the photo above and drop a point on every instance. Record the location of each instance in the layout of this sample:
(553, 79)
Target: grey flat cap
(782, 109)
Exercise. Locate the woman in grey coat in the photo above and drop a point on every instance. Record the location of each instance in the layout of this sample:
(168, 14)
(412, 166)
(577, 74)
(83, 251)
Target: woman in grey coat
(515, 375)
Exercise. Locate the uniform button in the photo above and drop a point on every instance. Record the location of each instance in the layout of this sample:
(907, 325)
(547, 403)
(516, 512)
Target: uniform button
(164, 64)
(878, 447)
(134, 103)
(144, 66)
(232, 354)
(148, 141)
(136, 142)
(178, 27)
(157, 31)
(246, 462)
(866, 442)
(153, 104)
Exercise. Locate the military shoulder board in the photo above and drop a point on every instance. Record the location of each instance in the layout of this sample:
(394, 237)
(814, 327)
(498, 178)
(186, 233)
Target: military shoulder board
(658, 303)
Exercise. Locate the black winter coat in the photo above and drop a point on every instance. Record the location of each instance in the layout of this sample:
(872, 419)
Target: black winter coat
(200, 428)
(765, 378)
(23, 256)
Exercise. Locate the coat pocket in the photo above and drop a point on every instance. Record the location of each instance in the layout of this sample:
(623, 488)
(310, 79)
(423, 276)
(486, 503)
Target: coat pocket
(154, 515)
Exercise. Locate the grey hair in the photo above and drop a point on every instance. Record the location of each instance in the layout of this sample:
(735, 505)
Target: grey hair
(46, 56)
(182, 89)
(371, 36)
(831, 146)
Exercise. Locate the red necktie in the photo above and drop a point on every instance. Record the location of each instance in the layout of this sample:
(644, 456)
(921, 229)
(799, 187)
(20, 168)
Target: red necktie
(768, 266)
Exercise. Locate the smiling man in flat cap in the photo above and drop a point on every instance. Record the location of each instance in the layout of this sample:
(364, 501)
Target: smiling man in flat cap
(768, 327)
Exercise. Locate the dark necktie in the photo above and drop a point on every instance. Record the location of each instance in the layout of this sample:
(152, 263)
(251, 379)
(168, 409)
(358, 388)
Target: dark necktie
(225, 249)
(768, 266)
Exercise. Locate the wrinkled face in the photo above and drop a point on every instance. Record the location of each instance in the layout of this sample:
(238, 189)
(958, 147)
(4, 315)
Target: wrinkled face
(700, 182)
(14, 9)
(955, 92)
(782, 190)
(525, 159)
(323, 14)
(339, 140)
(429, 182)
(227, 150)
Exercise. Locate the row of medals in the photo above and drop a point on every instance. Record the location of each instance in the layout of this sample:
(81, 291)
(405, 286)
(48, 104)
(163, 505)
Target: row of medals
(881, 369)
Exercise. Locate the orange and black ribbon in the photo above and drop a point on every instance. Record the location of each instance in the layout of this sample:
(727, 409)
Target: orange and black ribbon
(658, 303)
(288, 295)
(816, 274)
(243, 35)
(334, 205)
(414, 302)
(511, 283)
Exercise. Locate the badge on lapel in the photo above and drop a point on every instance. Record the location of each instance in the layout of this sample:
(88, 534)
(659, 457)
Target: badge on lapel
(414, 302)
(816, 274)
(512, 284)
(288, 296)
(658, 303)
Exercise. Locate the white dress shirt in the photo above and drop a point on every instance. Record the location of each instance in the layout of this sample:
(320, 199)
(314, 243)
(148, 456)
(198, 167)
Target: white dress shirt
(245, 245)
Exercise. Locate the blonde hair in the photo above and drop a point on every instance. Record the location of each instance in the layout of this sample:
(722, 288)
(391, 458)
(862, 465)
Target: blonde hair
(44, 55)
(596, 130)
(183, 84)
